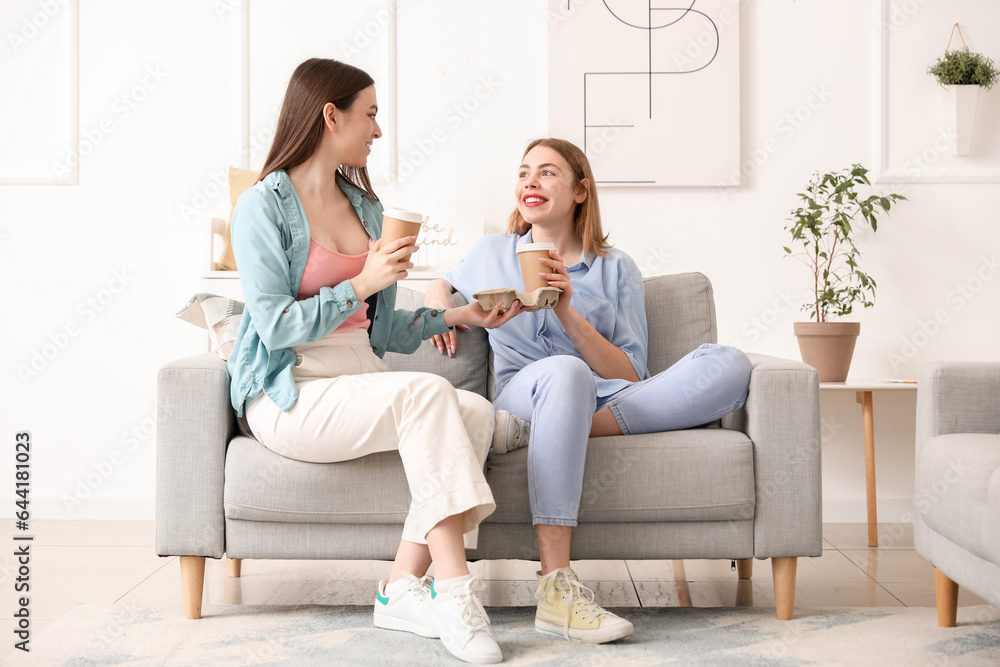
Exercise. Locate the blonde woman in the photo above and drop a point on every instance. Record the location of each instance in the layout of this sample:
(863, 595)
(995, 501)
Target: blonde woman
(578, 370)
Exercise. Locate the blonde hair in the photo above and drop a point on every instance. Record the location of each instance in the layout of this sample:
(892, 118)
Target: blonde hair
(587, 217)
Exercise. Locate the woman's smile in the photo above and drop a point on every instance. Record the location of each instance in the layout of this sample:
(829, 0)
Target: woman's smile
(533, 200)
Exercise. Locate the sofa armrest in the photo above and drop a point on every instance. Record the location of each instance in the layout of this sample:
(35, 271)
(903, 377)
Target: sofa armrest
(781, 417)
(957, 397)
(194, 423)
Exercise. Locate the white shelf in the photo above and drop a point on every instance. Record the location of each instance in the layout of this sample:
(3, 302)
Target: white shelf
(869, 385)
(227, 283)
(418, 273)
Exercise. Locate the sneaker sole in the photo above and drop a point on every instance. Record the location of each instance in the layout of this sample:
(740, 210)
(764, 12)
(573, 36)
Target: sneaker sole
(474, 658)
(390, 623)
(500, 446)
(599, 636)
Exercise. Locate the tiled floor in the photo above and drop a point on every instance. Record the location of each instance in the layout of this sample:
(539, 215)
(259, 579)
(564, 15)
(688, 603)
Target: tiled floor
(113, 562)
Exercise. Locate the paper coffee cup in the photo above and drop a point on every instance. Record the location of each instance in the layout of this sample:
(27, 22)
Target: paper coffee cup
(528, 255)
(398, 223)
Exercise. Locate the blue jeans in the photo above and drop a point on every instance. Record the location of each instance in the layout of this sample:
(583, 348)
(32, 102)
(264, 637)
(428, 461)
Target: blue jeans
(558, 395)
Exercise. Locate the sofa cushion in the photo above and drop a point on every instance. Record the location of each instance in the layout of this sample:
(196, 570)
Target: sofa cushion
(680, 316)
(992, 521)
(958, 492)
(371, 489)
(710, 473)
(466, 370)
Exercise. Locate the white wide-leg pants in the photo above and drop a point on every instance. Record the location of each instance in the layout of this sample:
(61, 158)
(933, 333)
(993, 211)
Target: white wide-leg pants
(350, 404)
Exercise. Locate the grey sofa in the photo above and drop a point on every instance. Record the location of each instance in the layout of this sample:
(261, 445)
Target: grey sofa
(746, 487)
(957, 488)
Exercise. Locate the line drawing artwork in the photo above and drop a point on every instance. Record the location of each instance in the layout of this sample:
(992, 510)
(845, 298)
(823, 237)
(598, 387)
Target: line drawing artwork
(649, 90)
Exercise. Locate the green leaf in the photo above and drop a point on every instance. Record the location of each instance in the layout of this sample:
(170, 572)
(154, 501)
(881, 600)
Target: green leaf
(965, 67)
(824, 227)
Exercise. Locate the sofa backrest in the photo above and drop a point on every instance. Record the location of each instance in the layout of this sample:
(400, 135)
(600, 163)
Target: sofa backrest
(680, 314)
(466, 370)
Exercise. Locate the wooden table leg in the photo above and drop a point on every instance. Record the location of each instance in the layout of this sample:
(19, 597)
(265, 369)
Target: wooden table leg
(868, 417)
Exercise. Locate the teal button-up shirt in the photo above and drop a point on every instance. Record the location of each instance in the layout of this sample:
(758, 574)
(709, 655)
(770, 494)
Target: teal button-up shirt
(271, 243)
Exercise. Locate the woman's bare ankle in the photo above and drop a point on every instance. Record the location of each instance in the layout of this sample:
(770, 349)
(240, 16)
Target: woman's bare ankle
(604, 424)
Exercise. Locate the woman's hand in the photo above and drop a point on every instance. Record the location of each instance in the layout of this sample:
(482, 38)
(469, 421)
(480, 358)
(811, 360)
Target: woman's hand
(559, 277)
(473, 314)
(439, 295)
(384, 266)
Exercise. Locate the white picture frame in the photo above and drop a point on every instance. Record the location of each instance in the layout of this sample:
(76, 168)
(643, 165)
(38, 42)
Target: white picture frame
(40, 133)
(275, 36)
(657, 103)
(910, 145)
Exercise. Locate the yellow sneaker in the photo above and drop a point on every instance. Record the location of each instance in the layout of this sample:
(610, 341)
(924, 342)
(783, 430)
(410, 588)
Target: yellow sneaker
(566, 607)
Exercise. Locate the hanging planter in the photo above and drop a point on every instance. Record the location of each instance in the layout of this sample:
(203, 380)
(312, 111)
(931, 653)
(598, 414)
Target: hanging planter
(959, 114)
(963, 76)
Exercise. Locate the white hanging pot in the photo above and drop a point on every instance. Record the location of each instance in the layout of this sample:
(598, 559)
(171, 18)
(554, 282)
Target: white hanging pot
(959, 106)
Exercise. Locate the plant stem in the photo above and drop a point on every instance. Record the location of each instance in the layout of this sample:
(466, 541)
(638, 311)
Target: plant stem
(816, 278)
(829, 266)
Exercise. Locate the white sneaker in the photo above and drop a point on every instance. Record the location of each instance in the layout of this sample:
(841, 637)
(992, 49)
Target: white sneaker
(510, 433)
(406, 611)
(463, 623)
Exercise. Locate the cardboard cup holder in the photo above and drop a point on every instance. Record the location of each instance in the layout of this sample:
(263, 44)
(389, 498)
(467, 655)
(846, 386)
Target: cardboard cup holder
(541, 298)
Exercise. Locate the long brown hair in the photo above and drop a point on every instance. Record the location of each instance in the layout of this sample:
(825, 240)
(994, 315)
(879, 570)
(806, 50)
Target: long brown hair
(587, 217)
(300, 123)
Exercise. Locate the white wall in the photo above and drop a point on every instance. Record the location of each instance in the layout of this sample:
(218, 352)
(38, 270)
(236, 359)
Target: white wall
(125, 237)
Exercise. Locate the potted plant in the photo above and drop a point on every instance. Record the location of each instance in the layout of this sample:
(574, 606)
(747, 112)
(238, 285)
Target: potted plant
(963, 75)
(822, 232)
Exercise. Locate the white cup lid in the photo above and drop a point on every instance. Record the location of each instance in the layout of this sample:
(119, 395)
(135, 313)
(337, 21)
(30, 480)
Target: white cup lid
(529, 247)
(401, 214)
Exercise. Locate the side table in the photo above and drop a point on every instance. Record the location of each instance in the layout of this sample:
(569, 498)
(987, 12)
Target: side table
(863, 390)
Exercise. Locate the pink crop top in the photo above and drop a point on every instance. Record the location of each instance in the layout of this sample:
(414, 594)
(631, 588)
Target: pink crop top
(326, 268)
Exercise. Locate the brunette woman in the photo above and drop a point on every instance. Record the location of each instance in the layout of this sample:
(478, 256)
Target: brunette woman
(308, 380)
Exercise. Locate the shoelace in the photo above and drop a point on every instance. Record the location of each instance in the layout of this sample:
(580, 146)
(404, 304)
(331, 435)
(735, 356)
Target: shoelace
(417, 584)
(578, 595)
(518, 432)
(473, 614)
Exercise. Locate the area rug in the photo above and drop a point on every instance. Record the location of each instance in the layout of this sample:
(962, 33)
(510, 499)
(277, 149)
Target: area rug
(304, 636)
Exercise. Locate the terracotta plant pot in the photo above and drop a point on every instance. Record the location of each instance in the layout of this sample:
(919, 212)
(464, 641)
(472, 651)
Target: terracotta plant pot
(828, 347)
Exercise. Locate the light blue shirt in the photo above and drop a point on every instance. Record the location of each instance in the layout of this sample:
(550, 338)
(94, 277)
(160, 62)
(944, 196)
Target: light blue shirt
(607, 291)
(271, 243)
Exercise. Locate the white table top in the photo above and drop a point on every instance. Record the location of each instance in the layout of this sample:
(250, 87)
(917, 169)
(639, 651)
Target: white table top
(871, 385)
(416, 273)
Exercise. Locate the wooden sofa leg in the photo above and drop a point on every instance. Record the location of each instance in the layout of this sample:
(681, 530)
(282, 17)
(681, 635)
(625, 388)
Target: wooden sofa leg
(946, 592)
(744, 568)
(192, 584)
(783, 571)
(234, 567)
